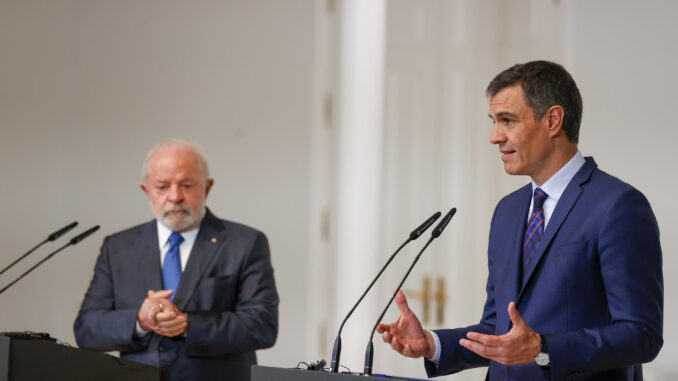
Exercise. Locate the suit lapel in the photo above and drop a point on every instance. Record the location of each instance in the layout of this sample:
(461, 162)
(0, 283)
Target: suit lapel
(209, 238)
(563, 208)
(148, 259)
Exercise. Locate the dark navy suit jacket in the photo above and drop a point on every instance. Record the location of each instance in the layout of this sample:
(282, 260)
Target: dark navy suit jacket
(595, 290)
(227, 290)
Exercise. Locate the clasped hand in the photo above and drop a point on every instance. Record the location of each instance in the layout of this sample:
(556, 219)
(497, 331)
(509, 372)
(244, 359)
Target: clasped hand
(406, 335)
(160, 315)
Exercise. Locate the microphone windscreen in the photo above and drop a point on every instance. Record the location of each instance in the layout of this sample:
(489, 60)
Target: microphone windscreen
(83, 235)
(423, 227)
(61, 231)
(443, 224)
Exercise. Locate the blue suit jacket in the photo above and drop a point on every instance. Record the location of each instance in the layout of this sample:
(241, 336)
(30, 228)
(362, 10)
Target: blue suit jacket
(595, 290)
(227, 290)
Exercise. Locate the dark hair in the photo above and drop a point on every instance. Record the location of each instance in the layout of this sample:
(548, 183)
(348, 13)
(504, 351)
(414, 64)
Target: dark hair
(545, 84)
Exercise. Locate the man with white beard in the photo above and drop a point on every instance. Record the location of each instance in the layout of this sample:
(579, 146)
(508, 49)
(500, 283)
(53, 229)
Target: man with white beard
(189, 293)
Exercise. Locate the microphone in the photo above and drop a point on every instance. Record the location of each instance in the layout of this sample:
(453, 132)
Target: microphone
(49, 238)
(369, 352)
(62, 231)
(336, 351)
(83, 235)
(73, 241)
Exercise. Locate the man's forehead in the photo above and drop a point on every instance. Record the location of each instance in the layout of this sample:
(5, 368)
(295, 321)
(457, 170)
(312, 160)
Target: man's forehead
(508, 100)
(173, 177)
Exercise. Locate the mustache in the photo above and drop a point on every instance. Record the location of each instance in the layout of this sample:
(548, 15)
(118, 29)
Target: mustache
(175, 208)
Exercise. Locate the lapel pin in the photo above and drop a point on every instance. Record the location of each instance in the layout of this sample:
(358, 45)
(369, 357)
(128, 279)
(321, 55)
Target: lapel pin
(214, 240)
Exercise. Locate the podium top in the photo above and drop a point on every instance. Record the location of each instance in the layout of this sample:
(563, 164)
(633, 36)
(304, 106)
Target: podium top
(35, 357)
(264, 373)
(28, 335)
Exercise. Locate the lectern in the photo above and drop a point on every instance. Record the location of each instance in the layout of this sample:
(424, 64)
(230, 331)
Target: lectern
(265, 373)
(30, 358)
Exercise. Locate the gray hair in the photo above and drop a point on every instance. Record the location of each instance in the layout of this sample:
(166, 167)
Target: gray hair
(176, 145)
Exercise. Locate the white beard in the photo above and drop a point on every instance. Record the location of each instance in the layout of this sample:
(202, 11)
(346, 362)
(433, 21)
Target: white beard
(186, 219)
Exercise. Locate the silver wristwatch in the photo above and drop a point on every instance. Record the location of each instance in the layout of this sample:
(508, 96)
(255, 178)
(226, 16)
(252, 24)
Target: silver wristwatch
(542, 358)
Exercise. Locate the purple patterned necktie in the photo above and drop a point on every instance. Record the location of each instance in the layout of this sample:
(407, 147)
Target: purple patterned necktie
(535, 229)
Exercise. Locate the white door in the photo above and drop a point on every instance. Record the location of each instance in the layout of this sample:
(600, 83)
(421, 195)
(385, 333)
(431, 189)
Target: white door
(440, 56)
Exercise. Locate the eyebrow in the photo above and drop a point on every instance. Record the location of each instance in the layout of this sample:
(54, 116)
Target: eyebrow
(503, 114)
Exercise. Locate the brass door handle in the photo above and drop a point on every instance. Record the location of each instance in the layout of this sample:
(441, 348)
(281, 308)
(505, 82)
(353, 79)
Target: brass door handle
(427, 296)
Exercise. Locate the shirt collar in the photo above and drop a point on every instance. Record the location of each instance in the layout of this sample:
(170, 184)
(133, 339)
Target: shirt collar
(164, 232)
(555, 186)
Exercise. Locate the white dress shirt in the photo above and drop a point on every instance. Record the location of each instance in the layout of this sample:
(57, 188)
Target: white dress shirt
(184, 248)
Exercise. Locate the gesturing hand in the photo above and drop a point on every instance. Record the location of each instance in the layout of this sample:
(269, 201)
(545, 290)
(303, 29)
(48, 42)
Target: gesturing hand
(406, 335)
(519, 346)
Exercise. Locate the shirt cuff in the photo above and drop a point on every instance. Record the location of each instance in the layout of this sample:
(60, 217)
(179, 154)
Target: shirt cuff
(138, 331)
(436, 354)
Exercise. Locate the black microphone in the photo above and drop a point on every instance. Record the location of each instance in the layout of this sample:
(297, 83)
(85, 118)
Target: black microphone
(336, 351)
(369, 352)
(83, 235)
(49, 238)
(73, 241)
(62, 231)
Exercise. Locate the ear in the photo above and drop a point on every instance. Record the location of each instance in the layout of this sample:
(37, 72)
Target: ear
(209, 184)
(143, 188)
(553, 119)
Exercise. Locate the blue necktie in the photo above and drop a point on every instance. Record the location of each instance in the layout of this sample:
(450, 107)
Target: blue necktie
(171, 268)
(535, 230)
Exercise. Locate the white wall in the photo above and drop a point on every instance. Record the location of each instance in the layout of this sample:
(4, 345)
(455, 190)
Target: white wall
(87, 87)
(624, 57)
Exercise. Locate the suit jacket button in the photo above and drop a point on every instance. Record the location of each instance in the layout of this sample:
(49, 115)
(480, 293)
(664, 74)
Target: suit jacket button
(162, 349)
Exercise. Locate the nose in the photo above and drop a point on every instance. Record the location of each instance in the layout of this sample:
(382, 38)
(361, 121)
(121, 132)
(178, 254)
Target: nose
(175, 194)
(497, 136)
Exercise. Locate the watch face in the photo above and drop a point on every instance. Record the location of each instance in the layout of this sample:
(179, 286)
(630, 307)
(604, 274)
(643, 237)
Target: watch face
(542, 359)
